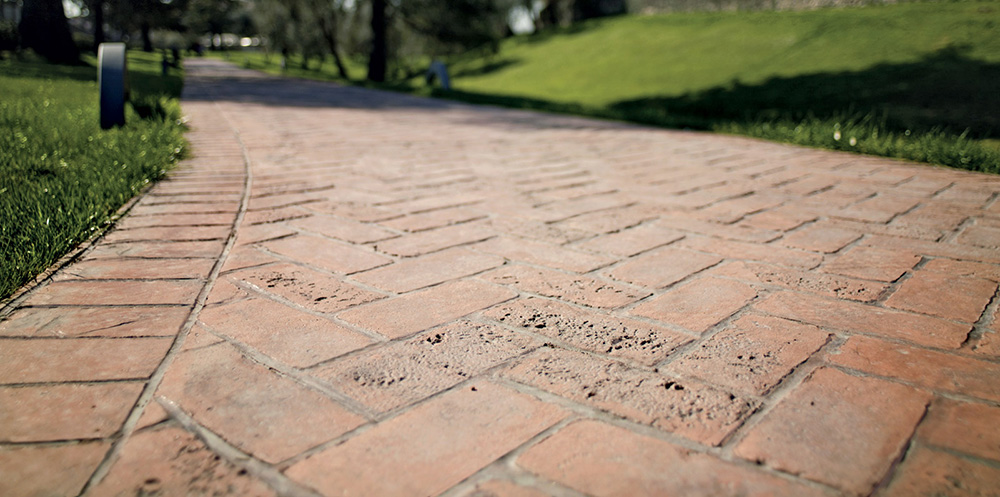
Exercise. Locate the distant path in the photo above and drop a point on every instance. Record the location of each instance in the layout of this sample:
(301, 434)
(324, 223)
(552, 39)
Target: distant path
(352, 292)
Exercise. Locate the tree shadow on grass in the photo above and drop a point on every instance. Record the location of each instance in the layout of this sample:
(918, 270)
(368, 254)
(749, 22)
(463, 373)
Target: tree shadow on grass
(946, 90)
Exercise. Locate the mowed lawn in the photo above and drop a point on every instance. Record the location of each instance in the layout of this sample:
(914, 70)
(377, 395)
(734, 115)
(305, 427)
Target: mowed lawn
(61, 176)
(913, 80)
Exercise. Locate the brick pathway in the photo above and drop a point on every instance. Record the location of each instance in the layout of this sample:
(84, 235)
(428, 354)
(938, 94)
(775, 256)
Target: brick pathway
(348, 292)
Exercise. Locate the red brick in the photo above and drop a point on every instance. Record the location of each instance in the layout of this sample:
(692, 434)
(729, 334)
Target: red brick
(784, 218)
(431, 203)
(256, 233)
(199, 338)
(502, 488)
(989, 343)
(40, 413)
(275, 215)
(420, 272)
(82, 359)
(610, 220)
(820, 238)
(753, 251)
(662, 267)
(414, 312)
(434, 240)
(286, 334)
(97, 292)
(94, 322)
(327, 254)
(829, 285)
(930, 473)
(143, 209)
(732, 210)
(435, 219)
(172, 233)
(602, 460)
(731, 232)
(861, 318)
(343, 229)
(30, 471)
(934, 249)
(582, 290)
(565, 209)
(352, 210)
(751, 355)
(159, 250)
(136, 269)
(432, 447)
(264, 414)
(963, 269)
(401, 373)
(837, 429)
(176, 220)
(543, 254)
(964, 427)
(686, 408)
(170, 461)
(698, 305)
(553, 234)
(872, 263)
(926, 368)
(245, 257)
(305, 287)
(942, 295)
(604, 334)
(632, 241)
(879, 209)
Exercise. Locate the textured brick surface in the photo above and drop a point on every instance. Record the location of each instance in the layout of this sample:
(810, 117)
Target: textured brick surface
(417, 292)
(837, 429)
(602, 460)
(432, 447)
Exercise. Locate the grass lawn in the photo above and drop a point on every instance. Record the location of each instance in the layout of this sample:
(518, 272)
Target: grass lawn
(61, 176)
(919, 81)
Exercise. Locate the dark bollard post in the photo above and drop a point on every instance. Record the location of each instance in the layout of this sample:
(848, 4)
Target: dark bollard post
(439, 71)
(112, 81)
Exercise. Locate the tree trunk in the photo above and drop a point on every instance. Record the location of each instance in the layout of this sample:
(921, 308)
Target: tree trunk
(97, 8)
(377, 61)
(44, 28)
(147, 40)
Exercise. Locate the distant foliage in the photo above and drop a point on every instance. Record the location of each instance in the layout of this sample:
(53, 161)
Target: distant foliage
(661, 6)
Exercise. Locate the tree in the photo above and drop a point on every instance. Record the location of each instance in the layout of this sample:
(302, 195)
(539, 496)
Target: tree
(326, 15)
(378, 60)
(44, 28)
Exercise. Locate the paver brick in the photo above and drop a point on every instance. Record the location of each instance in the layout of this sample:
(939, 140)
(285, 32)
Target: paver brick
(42, 470)
(159, 250)
(425, 242)
(824, 284)
(99, 292)
(543, 254)
(926, 368)
(327, 254)
(502, 488)
(94, 322)
(963, 269)
(435, 219)
(432, 447)
(258, 411)
(879, 209)
(305, 287)
(963, 426)
(699, 304)
(934, 249)
(170, 461)
(418, 311)
(80, 359)
(136, 269)
(286, 334)
(413, 274)
(753, 251)
(582, 290)
(981, 236)
(931, 473)
(820, 238)
(343, 229)
(611, 220)
(967, 297)
(606, 461)
(837, 429)
(402, 373)
(257, 233)
(860, 318)
(688, 408)
(632, 241)
(751, 355)
(604, 334)
(741, 233)
(662, 267)
(39, 413)
(555, 234)
(872, 263)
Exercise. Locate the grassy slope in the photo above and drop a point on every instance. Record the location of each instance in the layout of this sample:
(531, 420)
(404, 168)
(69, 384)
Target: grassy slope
(61, 176)
(872, 73)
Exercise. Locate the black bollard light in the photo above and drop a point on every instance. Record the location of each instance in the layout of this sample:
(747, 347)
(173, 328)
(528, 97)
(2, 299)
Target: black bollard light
(112, 79)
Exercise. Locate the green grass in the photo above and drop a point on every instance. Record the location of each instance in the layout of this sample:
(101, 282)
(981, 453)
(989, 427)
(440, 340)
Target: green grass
(61, 176)
(912, 80)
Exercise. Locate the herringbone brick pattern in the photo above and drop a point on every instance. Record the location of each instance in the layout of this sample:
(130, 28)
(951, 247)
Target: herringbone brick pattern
(351, 292)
